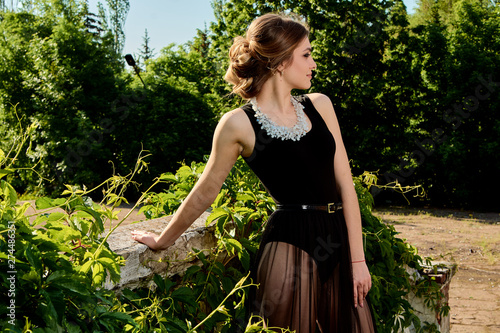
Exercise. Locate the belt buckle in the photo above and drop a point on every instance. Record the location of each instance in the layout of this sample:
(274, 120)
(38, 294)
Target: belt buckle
(331, 208)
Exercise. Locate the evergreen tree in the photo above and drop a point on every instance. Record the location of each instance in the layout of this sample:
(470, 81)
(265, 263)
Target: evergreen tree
(146, 52)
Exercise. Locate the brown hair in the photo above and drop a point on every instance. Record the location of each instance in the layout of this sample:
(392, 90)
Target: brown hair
(269, 42)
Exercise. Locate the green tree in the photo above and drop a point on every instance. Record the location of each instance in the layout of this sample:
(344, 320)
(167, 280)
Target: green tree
(117, 15)
(394, 78)
(61, 77)
(453, 156)
(171, 118)
(146, 52)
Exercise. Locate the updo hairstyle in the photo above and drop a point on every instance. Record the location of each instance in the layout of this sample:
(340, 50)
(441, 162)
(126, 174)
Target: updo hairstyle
(269, 42)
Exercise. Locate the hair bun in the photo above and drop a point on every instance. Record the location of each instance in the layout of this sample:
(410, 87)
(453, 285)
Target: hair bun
(240, 57)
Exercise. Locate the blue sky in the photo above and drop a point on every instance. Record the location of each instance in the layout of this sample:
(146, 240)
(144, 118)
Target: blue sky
(169, 21)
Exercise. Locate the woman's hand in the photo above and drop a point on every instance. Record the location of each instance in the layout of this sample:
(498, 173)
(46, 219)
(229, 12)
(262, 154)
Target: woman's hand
(362, 282)
(148, 238)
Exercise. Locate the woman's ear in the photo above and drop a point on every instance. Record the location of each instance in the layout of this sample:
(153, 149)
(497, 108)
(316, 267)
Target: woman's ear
(281, 68)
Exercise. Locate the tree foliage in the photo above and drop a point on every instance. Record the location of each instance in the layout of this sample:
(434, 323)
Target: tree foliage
(62, 78)
(458, 61)
(62, 71)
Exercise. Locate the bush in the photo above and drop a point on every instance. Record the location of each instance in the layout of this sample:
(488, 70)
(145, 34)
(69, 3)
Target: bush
(53, 265)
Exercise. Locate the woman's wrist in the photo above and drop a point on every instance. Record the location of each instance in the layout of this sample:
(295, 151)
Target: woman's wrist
(357, 261)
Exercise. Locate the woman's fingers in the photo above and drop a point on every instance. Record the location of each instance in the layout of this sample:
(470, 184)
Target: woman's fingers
(361, 295)
(355, 297)
(139, 233)
(360, 292)
(145, 237)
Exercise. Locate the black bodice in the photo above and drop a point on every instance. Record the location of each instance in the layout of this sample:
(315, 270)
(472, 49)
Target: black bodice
(298, 172)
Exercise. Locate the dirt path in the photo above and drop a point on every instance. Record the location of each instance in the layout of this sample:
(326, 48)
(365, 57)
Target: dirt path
(472, 241)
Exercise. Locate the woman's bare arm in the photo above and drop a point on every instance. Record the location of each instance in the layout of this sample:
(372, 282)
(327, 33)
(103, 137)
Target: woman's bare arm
(352, 215)
(230, 138)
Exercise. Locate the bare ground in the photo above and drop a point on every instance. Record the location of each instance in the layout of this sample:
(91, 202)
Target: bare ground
(472, 241)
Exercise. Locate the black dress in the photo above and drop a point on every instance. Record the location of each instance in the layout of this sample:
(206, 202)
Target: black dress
(303, 265)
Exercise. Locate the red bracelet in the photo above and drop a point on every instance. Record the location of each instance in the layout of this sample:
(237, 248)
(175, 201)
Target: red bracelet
(354, 262)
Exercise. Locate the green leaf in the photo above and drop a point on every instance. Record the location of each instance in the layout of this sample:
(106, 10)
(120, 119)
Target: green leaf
(60, 232)
(48, 311)
(227, 284)
(32, 276)
(112, 266)
(98, 273)
(96, 215)
(82, 213)
(221, 199)
(81, 224)
(33, 256)
(216, 214)
(9, 193)
(235, 244)
(86, 266)
(44, 202)
(238, 222)
(221, 222)
(56, 216)
(168, 177)
(5, 172)
(72, 285)
(185, 295)
(21, 210)
(244, 257)
(246, 196)
(119, 316)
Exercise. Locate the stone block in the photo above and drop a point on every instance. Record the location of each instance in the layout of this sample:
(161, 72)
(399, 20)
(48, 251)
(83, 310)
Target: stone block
(442, 274)
(142, 263)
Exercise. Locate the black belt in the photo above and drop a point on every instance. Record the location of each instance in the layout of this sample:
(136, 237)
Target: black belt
(329, 208)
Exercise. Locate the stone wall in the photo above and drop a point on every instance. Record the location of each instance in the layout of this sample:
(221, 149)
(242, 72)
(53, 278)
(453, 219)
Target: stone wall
(142, 263)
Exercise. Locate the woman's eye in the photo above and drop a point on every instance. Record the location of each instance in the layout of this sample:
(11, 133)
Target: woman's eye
(307, 55)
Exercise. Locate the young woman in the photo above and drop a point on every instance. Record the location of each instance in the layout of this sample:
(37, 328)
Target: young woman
(310, 267)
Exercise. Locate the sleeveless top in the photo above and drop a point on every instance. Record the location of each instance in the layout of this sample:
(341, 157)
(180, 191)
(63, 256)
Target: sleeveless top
(296, 172)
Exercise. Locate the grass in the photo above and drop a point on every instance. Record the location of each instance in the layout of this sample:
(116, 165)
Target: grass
(490, 248)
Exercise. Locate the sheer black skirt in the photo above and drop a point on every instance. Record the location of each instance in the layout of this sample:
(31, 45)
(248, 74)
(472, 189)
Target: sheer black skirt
(304, 273)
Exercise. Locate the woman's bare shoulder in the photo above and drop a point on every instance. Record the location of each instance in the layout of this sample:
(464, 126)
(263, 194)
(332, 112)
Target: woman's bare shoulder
(320, 100)
(323, 104)
(235, 120)
(235, 126)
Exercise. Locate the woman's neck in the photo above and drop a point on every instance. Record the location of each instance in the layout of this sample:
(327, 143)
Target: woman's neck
(274, 97)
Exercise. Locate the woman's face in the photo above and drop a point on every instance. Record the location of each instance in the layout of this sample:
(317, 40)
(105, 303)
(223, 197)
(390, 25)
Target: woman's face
(299, 72)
